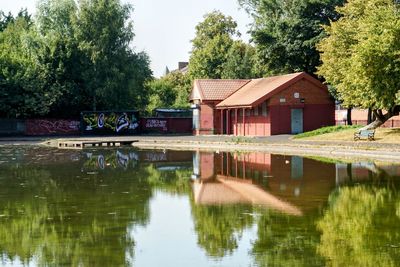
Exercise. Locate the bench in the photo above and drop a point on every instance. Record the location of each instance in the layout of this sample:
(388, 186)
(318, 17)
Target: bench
(368, 134)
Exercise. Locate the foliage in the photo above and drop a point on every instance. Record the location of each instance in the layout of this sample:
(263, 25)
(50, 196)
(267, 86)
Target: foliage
(215, 54)
(25, 85)
(325, 130)
(286, 32)
(240, 62)
(360, 56)
(169, 91)
(112, 73)
(71, 58)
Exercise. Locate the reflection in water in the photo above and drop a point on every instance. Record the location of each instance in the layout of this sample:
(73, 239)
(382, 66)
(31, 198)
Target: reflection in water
(86, 208)
(361, 227)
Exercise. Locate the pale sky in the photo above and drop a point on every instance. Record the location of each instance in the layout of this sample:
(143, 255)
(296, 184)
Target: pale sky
(163, 28)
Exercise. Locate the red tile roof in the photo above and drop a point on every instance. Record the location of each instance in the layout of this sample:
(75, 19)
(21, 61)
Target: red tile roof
(260, 89)
(215, 89)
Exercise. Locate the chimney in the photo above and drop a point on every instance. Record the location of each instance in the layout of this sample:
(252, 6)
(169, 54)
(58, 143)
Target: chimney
(181, 65)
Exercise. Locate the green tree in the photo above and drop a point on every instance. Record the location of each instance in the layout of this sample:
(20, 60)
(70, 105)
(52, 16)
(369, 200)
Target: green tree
(240, 62)
(360, 57)
(25, 87)
(55, 22)
(214, 37)
(113, 75)
(169, 91)
(286, 32)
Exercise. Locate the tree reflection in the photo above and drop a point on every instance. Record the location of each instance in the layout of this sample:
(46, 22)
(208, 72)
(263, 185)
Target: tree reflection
(359, 229)
(174, 181)
(56, 215)
(219, 228)
(285, 240)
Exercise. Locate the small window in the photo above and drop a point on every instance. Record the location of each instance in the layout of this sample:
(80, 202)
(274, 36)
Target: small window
(248, 112)
(256, 111)
(264, 109)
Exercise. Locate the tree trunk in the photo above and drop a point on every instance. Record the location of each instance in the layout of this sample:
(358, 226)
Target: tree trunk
(369, 118)
(349, 121)
(381, 118)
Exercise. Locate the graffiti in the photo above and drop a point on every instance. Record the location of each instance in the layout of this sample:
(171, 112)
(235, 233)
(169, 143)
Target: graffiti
(155, 156)
(157, 123)
(113, 160)
(48, 127)
(110, 122)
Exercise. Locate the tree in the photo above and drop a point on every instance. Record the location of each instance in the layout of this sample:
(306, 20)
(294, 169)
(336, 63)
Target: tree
(112, 72)
(360, 57)
(286, 32)
(5, 20)
(55, 23)
(25, 87)
(213, 40)
(240, 62)
(169, 91)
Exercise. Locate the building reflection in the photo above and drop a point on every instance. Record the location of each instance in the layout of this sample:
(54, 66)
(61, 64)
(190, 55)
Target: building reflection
(289, 184)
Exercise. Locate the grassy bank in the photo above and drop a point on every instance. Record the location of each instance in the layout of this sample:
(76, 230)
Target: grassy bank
(326, 130)
(346, 133)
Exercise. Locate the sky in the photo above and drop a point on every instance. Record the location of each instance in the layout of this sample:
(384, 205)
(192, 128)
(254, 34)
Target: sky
(164, 28)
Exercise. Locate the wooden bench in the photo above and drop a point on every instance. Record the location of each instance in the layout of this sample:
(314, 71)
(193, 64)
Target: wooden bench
(368, 134)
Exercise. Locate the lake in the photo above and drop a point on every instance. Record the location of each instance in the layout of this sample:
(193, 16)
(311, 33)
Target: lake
(129, 207)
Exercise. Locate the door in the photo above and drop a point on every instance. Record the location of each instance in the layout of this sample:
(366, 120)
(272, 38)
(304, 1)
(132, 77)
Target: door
(297, 121)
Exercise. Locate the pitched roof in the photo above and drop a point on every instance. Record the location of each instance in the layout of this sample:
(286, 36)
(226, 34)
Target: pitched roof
(258, 90)
(215, 89)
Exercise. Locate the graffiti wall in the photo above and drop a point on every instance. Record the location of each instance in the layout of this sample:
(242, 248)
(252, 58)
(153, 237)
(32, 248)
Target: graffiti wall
(110, 122)
(167, 125)
(51, 127)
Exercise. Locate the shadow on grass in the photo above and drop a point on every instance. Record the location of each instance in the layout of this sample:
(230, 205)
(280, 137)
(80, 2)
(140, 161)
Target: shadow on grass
(395, 131)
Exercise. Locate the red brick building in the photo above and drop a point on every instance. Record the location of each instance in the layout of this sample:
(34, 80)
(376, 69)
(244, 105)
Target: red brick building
(285, 104)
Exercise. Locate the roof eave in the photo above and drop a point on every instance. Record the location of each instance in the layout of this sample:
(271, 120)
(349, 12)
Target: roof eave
(234, 107)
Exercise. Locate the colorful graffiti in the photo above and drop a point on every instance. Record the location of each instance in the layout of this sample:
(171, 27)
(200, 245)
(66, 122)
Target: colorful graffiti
(110, 122)
(49, 127)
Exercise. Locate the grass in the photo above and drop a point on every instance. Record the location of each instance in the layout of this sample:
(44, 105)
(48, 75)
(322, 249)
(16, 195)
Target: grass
(382, 135)
(326, 130)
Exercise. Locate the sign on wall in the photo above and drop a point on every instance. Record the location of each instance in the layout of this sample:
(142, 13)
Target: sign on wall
(110, 122)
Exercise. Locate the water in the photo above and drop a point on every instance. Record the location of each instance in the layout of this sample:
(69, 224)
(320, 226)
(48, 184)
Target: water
(129, 207)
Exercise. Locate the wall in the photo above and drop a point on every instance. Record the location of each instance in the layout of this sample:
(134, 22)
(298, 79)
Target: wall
(318, 107)
(12, 127)
(359, 117)
(166, 125)
(51, 127)
(255, 124)
(207, 110)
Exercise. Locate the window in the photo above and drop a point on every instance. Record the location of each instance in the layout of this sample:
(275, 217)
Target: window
(248, 112)
(264, 109)
(256, 111)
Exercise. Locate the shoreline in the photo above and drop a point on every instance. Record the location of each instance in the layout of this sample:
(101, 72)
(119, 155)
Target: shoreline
(284, 145)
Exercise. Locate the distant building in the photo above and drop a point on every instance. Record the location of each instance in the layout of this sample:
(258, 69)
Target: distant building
(285, 104)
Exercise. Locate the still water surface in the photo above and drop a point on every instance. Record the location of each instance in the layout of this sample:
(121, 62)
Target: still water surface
(130, 207)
